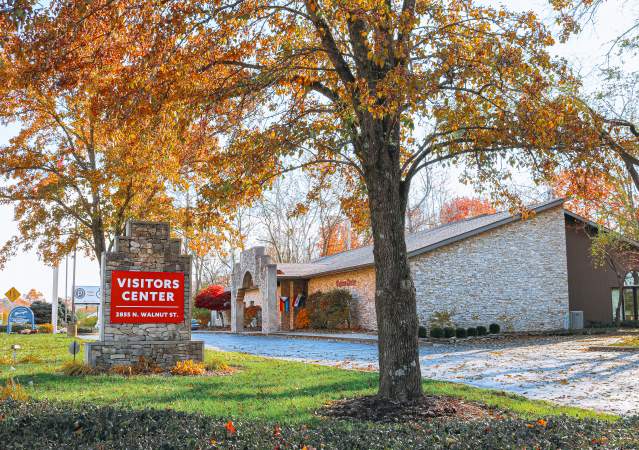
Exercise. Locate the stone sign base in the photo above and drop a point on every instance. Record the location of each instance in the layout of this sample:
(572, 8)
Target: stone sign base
(164, 353)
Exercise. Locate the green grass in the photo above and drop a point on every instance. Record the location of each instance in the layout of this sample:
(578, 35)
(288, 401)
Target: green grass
(287, 392)
(632, 341)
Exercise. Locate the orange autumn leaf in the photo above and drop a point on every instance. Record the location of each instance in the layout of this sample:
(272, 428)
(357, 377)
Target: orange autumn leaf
(464, 208)
(230, 427)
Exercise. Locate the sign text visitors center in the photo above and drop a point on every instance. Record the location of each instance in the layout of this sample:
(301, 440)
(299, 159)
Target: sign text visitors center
(147, 297)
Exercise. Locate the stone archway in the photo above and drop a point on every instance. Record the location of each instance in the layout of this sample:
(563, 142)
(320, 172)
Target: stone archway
(255, 275)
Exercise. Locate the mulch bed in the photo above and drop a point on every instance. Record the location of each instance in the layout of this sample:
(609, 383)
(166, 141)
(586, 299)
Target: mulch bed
(374, 409)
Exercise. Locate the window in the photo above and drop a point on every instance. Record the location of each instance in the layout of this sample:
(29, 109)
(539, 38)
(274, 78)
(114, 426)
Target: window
(629, 307)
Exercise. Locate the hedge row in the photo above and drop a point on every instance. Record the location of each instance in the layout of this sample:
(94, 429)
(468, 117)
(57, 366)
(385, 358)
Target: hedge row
(45, 425)
(449, 332)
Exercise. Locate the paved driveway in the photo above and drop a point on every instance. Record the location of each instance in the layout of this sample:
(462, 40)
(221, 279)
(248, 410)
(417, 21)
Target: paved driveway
(557, 369)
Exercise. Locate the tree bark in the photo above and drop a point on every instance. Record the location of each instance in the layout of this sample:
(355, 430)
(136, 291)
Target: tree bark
(395, 303)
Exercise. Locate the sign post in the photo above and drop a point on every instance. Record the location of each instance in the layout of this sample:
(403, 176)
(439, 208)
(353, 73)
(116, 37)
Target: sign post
(12, 294)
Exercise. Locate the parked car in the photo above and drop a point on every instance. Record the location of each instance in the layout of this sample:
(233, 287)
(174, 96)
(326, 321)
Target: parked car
(195, 324)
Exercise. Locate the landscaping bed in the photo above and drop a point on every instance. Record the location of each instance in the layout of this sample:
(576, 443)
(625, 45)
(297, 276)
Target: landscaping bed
(371, 408)
(54, 425)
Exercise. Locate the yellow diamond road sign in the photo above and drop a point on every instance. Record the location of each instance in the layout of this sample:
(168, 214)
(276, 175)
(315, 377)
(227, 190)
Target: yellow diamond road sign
(12, 294)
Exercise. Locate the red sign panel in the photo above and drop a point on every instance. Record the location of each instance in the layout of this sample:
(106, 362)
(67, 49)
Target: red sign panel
(147, 297)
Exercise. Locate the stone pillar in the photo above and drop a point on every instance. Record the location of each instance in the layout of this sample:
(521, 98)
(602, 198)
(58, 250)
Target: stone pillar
(255, 270)
(270, 307)
(146, 247)
(237, 314)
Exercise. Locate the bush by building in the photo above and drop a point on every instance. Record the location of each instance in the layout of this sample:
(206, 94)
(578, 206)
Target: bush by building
(449, 332)
(331, 310)
(471, 332)
(460, 333)
(302, 320)
(482, 330)
(437, 332)
(494, 328)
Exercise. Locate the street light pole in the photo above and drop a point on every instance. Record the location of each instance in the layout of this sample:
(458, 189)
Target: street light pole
(72, 328)
(54, 301)
(66, 288)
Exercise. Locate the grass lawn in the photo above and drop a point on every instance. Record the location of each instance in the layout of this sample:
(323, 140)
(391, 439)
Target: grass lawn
(273, 390)
(631, 341)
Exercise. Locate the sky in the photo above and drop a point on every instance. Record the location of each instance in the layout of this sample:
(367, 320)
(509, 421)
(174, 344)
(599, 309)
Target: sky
(584, 52)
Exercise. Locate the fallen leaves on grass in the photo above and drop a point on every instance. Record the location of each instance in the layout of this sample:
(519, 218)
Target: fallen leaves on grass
(13, 390)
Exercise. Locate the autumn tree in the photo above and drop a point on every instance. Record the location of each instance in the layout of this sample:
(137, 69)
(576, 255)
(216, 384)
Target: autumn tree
(76, 172)
(34, 295)
(574, 14)
(612, 105)
(371, 91)
(461, 208)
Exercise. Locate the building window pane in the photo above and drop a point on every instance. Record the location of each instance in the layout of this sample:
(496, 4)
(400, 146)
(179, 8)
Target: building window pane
(629, 305)
(615, 303)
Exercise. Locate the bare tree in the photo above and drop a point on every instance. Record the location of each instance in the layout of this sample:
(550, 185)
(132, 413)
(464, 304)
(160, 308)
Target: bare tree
(428, 195)
(287, 226)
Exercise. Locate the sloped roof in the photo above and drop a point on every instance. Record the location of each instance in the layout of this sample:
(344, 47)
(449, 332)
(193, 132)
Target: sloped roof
(416, 243)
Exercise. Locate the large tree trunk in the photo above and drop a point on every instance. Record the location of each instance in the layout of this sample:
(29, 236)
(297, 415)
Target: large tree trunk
(395, 304)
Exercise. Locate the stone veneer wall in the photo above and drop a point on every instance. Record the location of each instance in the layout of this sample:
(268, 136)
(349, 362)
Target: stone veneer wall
(147, 246)
(255, 271)
(514, 275)
(363, 291)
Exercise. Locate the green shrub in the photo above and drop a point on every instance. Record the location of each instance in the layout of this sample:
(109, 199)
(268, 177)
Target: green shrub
(494, 328)
(449, 332)
(437, 332)
(471, 332)
(482, 330)
(422, 332)
(203, 315)
(330, 309)
(460, 333)
(88, 322)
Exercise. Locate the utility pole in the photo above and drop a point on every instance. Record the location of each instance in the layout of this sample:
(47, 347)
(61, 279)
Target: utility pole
(72, 327)
(54, 301)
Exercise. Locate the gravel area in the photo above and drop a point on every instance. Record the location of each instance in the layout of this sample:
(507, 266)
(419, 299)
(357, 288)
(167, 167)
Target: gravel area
(559, 369)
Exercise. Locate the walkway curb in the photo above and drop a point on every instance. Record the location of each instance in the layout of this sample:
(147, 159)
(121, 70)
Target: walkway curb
(613, 348)
(318, 337)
